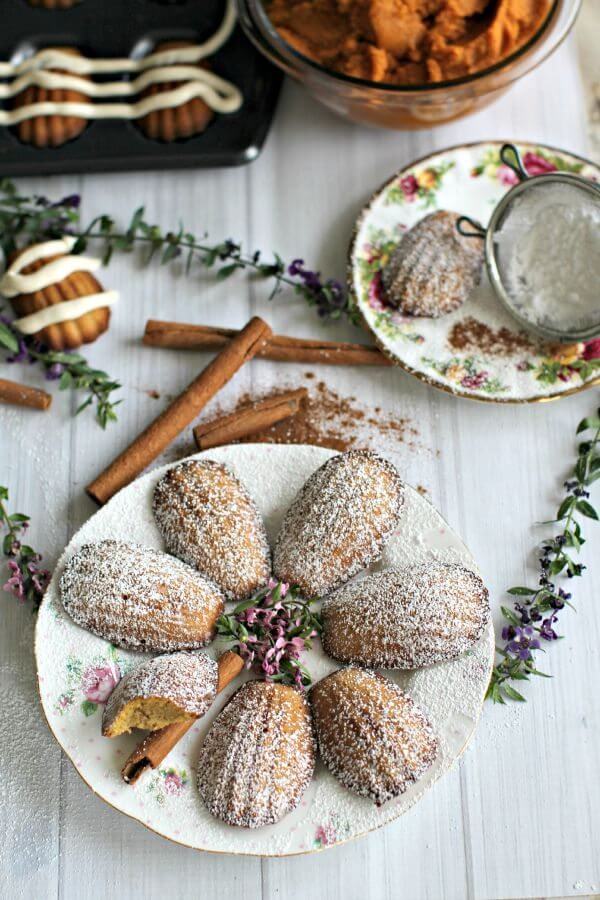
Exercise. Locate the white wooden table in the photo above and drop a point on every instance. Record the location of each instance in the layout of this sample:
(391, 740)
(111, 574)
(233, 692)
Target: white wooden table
(520, 816)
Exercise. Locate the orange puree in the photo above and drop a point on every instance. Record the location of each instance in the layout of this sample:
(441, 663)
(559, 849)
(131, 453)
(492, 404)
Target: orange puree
(407, 41)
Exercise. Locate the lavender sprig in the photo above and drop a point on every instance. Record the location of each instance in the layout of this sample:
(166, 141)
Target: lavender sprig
(71, 370)
(27, 581)
(531, 622)
(271, 631)
(327, 296)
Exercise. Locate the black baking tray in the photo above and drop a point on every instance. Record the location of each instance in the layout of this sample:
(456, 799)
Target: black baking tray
(111, 28)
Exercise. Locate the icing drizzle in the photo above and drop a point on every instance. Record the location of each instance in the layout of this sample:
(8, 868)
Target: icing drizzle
(175, 65)
(14, 282)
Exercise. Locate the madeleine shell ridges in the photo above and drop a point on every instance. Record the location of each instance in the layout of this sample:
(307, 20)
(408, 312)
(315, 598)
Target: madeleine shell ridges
(259, 755)
(139, 598)
(406, 618)
(208, 519)
(165, 689)
(372, 737)
(339, 522)
(434, 268)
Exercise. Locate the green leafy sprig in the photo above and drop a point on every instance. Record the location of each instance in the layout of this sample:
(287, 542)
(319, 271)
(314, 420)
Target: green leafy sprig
(531, 621)
(71, 370)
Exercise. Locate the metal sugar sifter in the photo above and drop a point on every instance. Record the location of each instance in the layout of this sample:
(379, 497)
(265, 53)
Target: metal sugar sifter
(582, 195)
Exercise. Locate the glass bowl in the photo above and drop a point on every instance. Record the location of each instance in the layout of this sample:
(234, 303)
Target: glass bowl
(410, 107)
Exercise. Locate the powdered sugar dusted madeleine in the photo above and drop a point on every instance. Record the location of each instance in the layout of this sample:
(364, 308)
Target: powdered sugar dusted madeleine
(53, 130)
(434, 268)
(172, 688)
(208, 519)
(72, 333)
(258, 758)
(339, 522)
(406, 618)
(370, 734)
(139, 598)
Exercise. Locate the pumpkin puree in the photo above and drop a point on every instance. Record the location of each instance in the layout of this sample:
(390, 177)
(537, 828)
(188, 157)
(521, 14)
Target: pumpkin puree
(407, 41)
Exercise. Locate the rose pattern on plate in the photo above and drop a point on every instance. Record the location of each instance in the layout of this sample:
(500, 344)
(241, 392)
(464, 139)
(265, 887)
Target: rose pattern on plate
(467, 372)
(169, 782)
(419, 184)
(536, 162)
(89, 686)
(331, 832)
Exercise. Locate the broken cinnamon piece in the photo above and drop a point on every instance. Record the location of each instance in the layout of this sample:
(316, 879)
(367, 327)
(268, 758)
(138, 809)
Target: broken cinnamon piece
(248, 419)
(22, 395)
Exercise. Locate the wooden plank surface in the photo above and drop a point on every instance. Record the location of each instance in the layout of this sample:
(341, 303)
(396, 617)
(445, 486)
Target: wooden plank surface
(519, 816)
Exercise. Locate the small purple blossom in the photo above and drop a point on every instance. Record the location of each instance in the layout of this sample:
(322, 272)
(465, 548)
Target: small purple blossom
(54, 371)
(521, 641)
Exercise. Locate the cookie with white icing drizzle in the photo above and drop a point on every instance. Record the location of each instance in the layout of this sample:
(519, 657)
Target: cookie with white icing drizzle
(207, 518)
(172, 688)
(50, 130)
(259, 755)
(339, 522)
(175, 122)
(139, 598)
(371, 736)
(55, 295)
(406, 618)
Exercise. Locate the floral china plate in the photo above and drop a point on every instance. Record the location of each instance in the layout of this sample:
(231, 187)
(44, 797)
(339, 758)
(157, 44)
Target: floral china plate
(77, 671)
(478, 351)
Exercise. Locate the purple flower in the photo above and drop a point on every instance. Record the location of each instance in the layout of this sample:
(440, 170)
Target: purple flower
(522, 641)
(547, 631)
(54, 372)
(72, 201)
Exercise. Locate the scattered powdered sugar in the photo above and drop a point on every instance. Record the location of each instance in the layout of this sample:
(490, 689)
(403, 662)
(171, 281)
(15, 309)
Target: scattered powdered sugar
(140, 598)
(189, 680)
(370, 734)
(339, 522)
(450, 694)
(259, 755)
(208, 519)
(548, 249)
(406, 618)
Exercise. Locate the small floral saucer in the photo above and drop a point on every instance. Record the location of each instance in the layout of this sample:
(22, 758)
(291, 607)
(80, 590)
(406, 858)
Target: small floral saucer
(77, 672)
(478, 351)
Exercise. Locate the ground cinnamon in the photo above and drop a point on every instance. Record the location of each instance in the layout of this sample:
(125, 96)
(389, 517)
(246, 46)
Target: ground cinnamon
(179, 336)
(471, 334)
(151, 751)
(22, 395)
(181, 412)
(248, 419)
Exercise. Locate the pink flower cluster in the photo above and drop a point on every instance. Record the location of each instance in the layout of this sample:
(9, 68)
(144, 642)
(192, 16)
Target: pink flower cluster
(26, 578)
(274, 633)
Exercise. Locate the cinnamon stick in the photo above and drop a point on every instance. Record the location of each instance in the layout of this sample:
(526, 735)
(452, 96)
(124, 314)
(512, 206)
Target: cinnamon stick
(151, 751)
(179, 336)
(248, 419)
(22, 395)
(181, 412)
